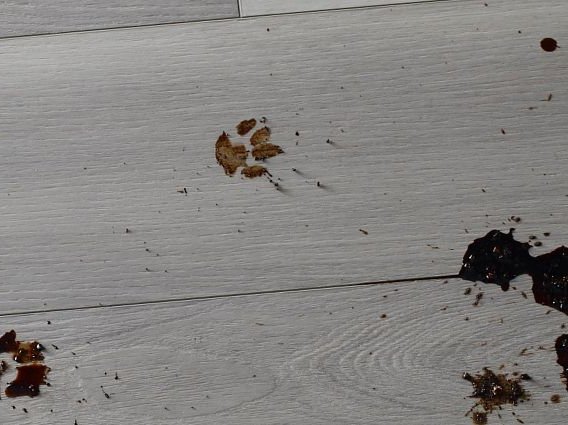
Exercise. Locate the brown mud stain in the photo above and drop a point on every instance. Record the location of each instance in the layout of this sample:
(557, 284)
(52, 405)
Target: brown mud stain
(262, 135)
(494, 390)
(561, 347)
(245, 126)
(28, 380)
(23, 351)
(496, 258)
(550, 279)
(230, 156)
(254, 171)
(266, 150)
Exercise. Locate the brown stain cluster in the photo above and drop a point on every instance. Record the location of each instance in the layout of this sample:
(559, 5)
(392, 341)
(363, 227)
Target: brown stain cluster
(492, 391)
(233, 156)
(498, 258)
(29, 376)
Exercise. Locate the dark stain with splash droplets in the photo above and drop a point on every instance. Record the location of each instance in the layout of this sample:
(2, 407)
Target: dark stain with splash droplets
(28, 380)
(550, 279)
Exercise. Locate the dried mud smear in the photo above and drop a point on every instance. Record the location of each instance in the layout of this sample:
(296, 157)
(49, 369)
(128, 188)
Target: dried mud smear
(550, 279)
(492, 391)
(230, 156)
(245, 126)
(28, 380)
(254, 171)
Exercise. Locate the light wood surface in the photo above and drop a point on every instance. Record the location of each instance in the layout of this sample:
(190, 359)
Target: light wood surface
(316, 357)
(20, 18)
(100, 130)
(267, 7)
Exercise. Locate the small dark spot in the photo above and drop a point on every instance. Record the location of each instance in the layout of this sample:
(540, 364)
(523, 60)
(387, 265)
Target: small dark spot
(467, 291)
(318, 184)
(49, 322)
(297, 133)
(532, 237)
(478, 298)
(546, 234)
(555, 398)
(55, 346)
(116, 376)
(548, 44)
(364, 231)
(128, 230)
(383, 316)
(25, 410)
(268, 29)
(538, 243)
(503, 131)
(526, 377)
(524, 294)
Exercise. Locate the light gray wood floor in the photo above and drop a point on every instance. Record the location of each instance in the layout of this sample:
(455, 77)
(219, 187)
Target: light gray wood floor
(101, 130)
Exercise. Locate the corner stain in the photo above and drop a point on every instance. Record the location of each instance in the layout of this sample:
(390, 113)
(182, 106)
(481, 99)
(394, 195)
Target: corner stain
(28, 380)
(561, 347)
(230, 156)
(548, 44)
(492, 391)
(496, 258)
(245, 126)
(23, 351)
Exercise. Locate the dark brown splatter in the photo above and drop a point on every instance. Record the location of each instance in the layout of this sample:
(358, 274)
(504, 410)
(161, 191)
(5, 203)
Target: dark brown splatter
(550, 279)
(493, 391)
(254, 171)
(23, 351)
(262, 135)
(496, 258)
(245, 126)
(230, 156)
(28, 380)
(548, 44)
(479, 418)
(561, 347)
(555, 398)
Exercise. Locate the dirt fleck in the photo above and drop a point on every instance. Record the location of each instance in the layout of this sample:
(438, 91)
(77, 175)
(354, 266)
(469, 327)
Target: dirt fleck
(555, 398)
(493, 391)
(28, 380)
(262, 135)
(478, 298)
(266, 150)
(548, 44)
(245, 126)
(467, 291)
(230, 156)
(364, 231)
(254, 171)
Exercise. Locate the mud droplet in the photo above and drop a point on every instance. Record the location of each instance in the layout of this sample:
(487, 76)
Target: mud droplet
(548, 44)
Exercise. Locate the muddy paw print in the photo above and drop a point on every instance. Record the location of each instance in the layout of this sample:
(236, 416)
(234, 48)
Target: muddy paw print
(231, 156)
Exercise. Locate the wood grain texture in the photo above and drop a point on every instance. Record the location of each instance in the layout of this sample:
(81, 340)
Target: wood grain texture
(18, 18)
(99, 130)
(268, 7)
(318, 357)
